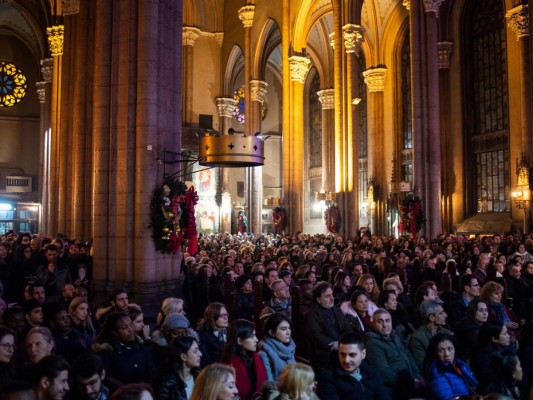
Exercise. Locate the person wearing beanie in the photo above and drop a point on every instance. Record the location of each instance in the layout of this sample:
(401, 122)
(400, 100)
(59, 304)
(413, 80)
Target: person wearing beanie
(244, 298)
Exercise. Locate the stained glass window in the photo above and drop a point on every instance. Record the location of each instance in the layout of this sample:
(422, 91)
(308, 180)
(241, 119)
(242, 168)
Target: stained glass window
(13, 84)
(238, 112)
(407, 148)
(488, 105)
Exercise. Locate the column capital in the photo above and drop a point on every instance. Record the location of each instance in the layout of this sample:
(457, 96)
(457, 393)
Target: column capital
(332, 40)
(407, 4)
(41, 91)
(226, 106)
(70, 7)
(432, 6)
(56, 35)
(354, 36)
(327, 98)
(246, 15)
(299, 67)
(47, 69)
(219, 37)
(258, 90)
(444, 52)
(518, 20)
(190, 35)
(375, 79)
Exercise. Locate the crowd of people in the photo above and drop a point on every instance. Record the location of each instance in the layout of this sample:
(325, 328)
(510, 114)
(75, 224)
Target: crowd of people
(275, 317)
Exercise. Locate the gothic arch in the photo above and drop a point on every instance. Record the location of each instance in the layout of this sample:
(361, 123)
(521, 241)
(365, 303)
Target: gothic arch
(234, 66)
(269, 39)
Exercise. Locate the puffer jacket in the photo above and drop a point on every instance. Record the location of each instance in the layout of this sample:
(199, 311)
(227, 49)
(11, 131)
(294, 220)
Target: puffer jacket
(445, 382)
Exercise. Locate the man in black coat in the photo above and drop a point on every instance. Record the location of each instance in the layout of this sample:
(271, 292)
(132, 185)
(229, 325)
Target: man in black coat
(353, 377)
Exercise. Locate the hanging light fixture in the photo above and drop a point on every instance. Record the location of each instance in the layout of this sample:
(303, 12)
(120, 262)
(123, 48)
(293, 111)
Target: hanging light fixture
(231, 151)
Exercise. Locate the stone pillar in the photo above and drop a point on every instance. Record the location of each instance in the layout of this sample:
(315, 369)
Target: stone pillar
(292, 145)
(258, 91)
(375, 81)
(444, 52)
(353, 39)
(327, 99)
(225, 106)
(518, 22)
(434, 218)
(56, 206)
(190, 35)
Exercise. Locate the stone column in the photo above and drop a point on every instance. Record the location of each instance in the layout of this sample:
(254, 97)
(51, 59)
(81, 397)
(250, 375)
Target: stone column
(190, 35)
(258, 91)
(353, 39)
(56, 207)
(327, 99)
(518, 22)
(434, 219)
(225, 106)
(292, 145)
(375, 81)
(444, 52)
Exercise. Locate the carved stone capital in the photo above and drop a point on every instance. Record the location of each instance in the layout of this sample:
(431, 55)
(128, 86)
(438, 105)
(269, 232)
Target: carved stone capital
(190, 35)
(375, 79)
(258, 91)
(299, 67)
(444, 51)
(518, 20)
(70, 7)
(332, 40)
(41, 91)
(56, 36)
(407, 4)
(219, 37)
(226, 106)
(327, 98)
(353, 37)
(47, 69)
(432, 6)
(246, 15)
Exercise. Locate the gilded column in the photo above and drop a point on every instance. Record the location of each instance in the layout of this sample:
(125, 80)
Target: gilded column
(258, 91)
(57, 167)
(293, 168)
(434, 219)
(190, 35)
(444, 53)
(44, 143)
(225, 106)
(375, 82)
(327, 99)
(353, 39)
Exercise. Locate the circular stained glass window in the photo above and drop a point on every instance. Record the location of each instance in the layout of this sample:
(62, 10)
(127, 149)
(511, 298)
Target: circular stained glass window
(13, 84)
(238, 112)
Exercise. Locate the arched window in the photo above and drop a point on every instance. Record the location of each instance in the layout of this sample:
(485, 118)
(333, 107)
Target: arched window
(486, 107)
(315, 145)
(407, 129)
(363, 141)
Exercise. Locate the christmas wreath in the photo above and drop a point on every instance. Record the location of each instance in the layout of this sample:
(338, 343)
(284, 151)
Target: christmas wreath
(279, 218)
(172, 216)
(412, 217)
(333, 218)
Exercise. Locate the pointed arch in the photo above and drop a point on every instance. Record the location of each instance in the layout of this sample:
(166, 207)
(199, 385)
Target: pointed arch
(234, 66)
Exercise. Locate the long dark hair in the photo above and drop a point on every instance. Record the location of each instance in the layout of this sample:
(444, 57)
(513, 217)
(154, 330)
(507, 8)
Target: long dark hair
(488, 331)
(502, 368)
(172, 364)
(431, 353)
(273, 322)
(238, 329)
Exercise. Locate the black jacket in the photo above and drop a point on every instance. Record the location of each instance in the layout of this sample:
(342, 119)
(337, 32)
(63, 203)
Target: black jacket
(173, 387)
(210, 346)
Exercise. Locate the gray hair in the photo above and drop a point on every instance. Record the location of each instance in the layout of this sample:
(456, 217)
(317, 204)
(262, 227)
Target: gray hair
(429, 308)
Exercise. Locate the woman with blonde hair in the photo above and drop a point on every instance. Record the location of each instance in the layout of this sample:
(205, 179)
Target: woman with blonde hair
(79, 313)
(169, 305)
(296, 382)
(215, 382)
(368, 283)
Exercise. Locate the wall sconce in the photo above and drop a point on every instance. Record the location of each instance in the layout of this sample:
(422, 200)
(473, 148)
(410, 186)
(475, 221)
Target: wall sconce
(324, 200)
(356, 101)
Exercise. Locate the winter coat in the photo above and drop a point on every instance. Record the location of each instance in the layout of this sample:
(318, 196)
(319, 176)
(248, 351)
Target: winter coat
(466, 333)
(244, 305)
(173, 387)
(276, 356)
(210, 346)
(445, 382)
(419, 341)
(243, 383)
(337, 384)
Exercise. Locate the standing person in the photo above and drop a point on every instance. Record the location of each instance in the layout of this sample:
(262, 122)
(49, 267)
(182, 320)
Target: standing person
(212, 331)
(178, 370)
(352, 377)
(215, 382)
(240, 353)
(87, 377)
(296, 382)
(446, 376)
(277, 349)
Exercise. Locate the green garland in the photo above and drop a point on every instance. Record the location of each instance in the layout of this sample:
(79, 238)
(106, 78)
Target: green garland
(162, 225)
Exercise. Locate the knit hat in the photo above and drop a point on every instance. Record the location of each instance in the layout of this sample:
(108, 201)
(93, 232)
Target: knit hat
(175, 321)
